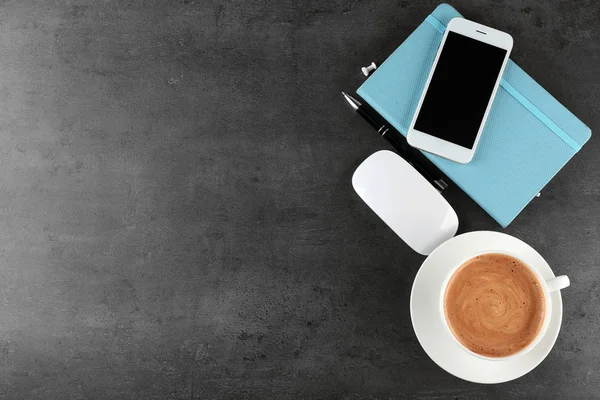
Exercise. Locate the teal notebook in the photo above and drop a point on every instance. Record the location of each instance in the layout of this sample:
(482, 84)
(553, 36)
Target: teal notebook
(528, 137)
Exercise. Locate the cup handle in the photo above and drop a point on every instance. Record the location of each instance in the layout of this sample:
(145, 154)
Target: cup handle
(560, 282)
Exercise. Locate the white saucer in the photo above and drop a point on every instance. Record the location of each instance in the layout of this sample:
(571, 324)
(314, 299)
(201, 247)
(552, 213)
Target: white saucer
(437, 340)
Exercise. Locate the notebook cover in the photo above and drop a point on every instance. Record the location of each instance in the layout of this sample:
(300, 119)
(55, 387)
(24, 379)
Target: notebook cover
(528, 137)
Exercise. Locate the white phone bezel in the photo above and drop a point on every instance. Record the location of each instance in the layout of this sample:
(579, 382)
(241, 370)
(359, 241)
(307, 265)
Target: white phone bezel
(442, 147)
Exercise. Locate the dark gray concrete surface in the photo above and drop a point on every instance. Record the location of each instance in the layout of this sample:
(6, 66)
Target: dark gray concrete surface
(176, 214)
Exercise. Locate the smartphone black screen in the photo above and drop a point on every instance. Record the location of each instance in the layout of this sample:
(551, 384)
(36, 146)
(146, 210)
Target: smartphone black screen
(460, 90)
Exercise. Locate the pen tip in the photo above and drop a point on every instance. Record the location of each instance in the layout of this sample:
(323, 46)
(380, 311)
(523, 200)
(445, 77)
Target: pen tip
(355, 104)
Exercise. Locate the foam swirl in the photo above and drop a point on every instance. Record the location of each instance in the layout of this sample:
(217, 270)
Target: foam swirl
(494, 305)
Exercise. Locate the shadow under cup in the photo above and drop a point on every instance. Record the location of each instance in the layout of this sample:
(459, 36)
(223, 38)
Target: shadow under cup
(495, 306)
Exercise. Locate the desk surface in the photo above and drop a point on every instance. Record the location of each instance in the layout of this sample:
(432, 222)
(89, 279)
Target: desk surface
(177, 215)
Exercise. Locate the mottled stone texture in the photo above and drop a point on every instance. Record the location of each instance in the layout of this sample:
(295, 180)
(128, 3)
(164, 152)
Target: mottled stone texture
(176, 214)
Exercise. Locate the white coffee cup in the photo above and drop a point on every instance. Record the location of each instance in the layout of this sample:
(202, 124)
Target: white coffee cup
(548, 286)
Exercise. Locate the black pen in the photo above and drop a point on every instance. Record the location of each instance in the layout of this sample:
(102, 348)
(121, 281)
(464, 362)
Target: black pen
(409, 153)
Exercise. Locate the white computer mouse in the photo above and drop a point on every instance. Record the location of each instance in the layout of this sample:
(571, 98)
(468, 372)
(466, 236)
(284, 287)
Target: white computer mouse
(405, 201)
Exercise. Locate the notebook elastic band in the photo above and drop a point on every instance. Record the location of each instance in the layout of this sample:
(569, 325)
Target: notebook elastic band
(436, 24)
(520, 98)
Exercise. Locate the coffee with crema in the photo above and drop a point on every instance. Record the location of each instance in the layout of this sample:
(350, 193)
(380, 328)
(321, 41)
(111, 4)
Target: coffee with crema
(494, 305)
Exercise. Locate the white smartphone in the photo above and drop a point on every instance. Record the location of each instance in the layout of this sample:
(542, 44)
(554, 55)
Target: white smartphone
(460, 89)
